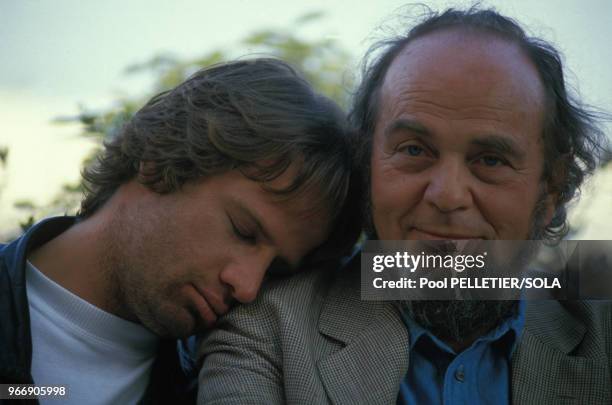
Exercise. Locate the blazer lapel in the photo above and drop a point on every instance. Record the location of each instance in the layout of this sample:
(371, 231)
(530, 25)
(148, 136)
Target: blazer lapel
(369, 368)
(543, 369)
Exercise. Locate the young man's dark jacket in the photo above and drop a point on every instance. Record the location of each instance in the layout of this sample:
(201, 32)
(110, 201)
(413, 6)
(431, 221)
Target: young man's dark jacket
(168, 384)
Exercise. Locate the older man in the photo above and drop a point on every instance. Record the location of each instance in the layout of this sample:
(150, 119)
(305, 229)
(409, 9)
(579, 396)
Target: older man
(468, 133)
(240, 170)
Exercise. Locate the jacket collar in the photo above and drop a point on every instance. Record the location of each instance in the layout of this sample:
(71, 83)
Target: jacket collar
(552, 324)
(34, 237)
(545, 369)
(15, 339)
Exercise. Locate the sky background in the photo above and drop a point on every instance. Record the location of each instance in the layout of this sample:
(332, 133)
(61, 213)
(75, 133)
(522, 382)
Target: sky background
(59, 54)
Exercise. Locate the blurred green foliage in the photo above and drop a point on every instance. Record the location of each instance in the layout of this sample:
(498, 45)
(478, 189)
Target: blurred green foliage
(4, 153)
(322, 61)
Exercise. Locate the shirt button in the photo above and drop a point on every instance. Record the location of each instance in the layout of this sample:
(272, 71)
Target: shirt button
(460, 374)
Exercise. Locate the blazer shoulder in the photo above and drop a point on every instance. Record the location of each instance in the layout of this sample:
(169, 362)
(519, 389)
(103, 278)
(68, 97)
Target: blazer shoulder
(293, 299)
(307, 285)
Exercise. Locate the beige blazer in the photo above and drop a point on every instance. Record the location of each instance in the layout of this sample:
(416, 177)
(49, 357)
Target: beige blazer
(310, 339)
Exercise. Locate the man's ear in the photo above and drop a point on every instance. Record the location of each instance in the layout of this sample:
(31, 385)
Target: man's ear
(149, 176)
(146, 170)
(549, 207)
(553, 187)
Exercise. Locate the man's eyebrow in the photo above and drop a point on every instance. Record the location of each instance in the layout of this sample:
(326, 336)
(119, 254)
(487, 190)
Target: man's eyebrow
(405, 124)
(258, 224)
(501, 144)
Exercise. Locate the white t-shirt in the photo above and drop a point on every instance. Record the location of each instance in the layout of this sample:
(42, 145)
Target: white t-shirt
(99, 357)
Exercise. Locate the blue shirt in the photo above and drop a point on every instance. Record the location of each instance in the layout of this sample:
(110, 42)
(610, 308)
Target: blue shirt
(479, 374)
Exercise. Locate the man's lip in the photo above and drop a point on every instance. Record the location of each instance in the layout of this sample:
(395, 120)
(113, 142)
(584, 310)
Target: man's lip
(423, 234)
(216, 303)
(203, 308)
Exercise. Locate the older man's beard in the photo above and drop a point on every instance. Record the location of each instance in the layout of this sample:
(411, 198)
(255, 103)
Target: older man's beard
(458, 320)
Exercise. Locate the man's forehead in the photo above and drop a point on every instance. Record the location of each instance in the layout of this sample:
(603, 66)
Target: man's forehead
(306, 200)
(456, 60)
(298, 221)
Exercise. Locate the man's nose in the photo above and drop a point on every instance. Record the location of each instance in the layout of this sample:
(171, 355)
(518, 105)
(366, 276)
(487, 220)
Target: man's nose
(245, 274)
(448, 188)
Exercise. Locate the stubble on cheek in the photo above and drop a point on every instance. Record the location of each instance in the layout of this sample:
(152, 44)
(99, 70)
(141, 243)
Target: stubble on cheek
(161, 307)
(144, 287)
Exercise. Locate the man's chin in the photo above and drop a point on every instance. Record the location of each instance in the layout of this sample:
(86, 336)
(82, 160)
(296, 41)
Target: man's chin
(173, 326)
(457, 320)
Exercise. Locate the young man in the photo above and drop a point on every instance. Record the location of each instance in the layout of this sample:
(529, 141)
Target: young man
(238, 171)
